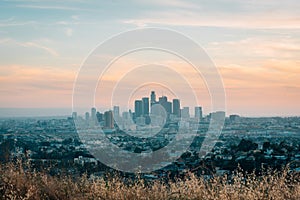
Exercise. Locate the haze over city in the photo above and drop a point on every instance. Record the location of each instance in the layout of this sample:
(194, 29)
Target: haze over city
(149, 99)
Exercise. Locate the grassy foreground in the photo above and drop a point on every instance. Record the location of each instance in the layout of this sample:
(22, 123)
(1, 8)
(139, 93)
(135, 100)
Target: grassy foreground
(15, 183)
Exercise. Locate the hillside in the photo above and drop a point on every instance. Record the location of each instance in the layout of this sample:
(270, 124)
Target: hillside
(16, 183)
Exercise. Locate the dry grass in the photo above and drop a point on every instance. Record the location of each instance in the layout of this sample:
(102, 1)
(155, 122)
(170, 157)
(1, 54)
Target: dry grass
(15, 183)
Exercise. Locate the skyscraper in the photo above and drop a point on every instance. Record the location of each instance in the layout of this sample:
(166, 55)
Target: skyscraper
(138, 108)
(108, 119)
(167, 105)
(99, 116)
(74, 115)
(198, 112)
(87, 116)
(185, 112)
(93, 114)
(176, 107)
(145, 106)
(153, 98)
(162, 100)
(116, 112)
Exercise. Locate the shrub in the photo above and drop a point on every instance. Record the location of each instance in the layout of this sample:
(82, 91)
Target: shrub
(17, 183)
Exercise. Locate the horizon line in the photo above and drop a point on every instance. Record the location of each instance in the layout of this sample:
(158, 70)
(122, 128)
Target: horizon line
(67, 111)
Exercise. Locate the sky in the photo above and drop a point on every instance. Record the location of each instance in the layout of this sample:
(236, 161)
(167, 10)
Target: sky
(255, 45)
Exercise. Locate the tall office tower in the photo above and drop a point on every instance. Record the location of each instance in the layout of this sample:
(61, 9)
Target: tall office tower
(99, 116)
(109, 120)
(162, 100)
(167, 105)
(74, 115)
(138, 108)
(185, 112)
(87, 116)
(176, 107)
(93, 114)
(218, 118)
(152, 98)
(198, 112)
(116, 112)
(145, 106)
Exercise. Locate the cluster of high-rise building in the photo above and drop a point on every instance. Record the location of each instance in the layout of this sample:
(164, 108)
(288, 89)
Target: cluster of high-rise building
(146, 111)
(144, 108)
(106, 119)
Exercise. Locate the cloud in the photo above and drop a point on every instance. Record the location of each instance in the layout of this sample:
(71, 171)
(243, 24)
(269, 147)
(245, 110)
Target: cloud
(75, 17)
(197, 21)
(69, 32)
(13, 23)
(271, 74)
(20, 78)
(30, 44)
(173, 3)
(48, 7)
(40, 86)
(38, 46)
(253, 51)
(4, 40)
(269, 89)
(218, 18)
(287, 68)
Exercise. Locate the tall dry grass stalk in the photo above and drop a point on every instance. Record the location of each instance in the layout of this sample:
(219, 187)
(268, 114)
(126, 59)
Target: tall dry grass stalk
(17, 183)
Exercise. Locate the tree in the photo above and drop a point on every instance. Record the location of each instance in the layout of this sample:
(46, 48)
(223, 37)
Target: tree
(246, 145)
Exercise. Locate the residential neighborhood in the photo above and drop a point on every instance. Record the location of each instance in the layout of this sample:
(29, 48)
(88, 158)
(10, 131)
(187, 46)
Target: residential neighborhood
(252, 144)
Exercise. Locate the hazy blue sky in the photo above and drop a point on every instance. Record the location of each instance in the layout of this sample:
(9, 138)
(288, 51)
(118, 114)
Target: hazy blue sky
(255, 44)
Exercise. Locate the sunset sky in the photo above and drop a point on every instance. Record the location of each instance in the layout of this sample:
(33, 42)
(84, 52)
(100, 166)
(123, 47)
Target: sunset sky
(254, 44)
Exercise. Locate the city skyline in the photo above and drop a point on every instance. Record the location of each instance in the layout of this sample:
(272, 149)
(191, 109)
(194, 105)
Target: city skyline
(150, 113)
(143, 107)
